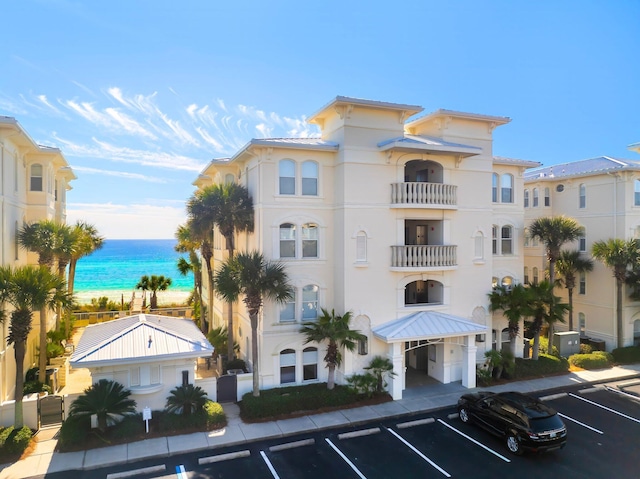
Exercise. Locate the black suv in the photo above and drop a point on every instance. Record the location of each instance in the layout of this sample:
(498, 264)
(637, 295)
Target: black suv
(523, 421)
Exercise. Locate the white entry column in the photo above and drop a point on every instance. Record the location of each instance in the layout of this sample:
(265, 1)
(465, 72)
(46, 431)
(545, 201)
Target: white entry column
(469, 362)
(396, 385)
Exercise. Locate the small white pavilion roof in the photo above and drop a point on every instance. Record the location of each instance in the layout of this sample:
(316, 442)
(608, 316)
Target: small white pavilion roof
(426, 325)
(140, 338)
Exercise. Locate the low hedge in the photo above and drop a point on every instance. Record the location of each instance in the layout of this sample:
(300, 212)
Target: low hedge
(595, 360)
(293, 399)
(211, 415)
(627, 355)
(13, 441)
(546, 364)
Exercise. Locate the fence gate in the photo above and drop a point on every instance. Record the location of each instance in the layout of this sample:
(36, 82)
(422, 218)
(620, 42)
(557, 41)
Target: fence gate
(51, 410)
(226, 388)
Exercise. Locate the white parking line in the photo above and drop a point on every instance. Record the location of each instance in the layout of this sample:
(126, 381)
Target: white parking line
(346, 459)
(606, 408)
(505, 459)
(581, 423)
(180, 472)
(136, 472)
(269, 465)
(410, 446)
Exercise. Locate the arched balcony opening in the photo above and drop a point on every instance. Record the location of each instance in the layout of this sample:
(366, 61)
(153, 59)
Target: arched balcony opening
(423, 292)
(423, 185)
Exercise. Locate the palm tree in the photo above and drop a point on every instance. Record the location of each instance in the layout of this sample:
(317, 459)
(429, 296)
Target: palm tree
(231, 207)
(154, 284)
(87, 241)
(27, 289)
(187, 244)
(251, 276)
(554, 231)
(108, 400)
(334, 329)
(186, 399)
(544, 307)
(620, 256)
(380, 367)
(65, 243)
(42, 238)
(569, 265)
(200, 225)
(514, 303)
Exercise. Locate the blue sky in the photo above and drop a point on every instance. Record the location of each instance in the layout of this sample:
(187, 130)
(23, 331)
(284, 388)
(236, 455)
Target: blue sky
(141, 95)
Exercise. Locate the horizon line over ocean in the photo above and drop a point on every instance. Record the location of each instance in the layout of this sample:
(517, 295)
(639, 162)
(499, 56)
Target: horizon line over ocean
(117, 267)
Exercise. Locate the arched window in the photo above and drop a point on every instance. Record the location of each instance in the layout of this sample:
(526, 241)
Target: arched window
(363, 346)
(505, 340)
(506, 190)
(287, 240)
(36, 177)
(478, 245)
(310, 178)
(288, 311)
(287, 170)
(527, 240)
(309, 364)
(507, 282)
(494, 187)
(526, 275)
(583, 195)
(361, 247)
(310, 240)
(535, 197)
(547, 197)
(310, 302)
(582, 324)
(423, 292)
(228, 178)
(506, 240)
(494, 281)
(535, 275)
(287, 366)
(636, 192)
(526, 198)
(582, 284)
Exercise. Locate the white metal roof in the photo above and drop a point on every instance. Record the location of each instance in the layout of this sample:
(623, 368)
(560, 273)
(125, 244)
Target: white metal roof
(428, 143)
(142, 337)
(427, 325)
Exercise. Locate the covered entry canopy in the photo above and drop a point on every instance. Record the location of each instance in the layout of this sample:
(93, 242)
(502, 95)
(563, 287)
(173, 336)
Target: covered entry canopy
(426, 325)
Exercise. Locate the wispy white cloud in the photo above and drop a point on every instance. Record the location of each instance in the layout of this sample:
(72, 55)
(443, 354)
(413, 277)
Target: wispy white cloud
(10, 106)
(106, 151)
(119, 174)
(129, 124)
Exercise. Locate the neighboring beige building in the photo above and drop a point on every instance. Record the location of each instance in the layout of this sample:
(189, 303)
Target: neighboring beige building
(34, 180)
(405, 224)
(603, 195)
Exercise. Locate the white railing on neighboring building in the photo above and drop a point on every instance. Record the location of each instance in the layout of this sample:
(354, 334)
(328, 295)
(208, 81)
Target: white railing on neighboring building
(423, 256)
(417, 193)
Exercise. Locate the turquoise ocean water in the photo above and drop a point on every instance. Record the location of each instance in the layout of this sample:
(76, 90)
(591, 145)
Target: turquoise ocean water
(116, 268)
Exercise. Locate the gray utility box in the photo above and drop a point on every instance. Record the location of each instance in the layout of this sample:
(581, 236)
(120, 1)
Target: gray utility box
(567, 342)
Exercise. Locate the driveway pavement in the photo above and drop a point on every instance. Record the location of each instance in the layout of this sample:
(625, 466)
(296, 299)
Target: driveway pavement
(45, 460)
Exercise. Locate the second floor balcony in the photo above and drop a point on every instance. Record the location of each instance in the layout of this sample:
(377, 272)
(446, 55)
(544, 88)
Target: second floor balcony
(423, 257)
(415, 194)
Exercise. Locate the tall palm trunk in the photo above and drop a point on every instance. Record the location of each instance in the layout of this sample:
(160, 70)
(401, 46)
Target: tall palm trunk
(42, 359)
(254, 353)
(513, 336)
(619, 325)
(331, 359)
(72, 274)
(19, 353)
(230, 342)
(570, 294)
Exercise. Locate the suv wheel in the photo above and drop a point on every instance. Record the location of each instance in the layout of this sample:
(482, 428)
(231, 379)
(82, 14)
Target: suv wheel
(513, 444)
(464, 414)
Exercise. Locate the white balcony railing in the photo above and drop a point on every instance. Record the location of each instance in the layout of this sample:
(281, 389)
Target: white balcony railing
(423, 256)
(415, 193)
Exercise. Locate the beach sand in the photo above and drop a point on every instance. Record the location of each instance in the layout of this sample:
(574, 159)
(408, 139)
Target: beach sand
(164, 297)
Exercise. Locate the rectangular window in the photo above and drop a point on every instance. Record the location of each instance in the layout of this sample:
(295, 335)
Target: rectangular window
(547, 197)
(309, 241)
(582, 244)
(363, 347)
(288, 312)
(361, 248)
(36, 177)
(582, 287)
(287, 367)
(494, 239)
(155, 375)
(287, 186)
(287, 241)
(134, 377)
(310, 364)
(507, 240)
(185, 378)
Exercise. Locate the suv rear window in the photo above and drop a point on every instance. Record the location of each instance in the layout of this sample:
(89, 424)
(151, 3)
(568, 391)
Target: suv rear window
(549, 423)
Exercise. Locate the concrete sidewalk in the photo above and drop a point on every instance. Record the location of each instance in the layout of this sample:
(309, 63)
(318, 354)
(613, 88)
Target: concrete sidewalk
(44, 460)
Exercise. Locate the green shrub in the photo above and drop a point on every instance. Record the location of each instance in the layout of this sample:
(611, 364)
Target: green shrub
(54, 350)
(236, 364)
(74, 432)
(131, 426)
(544, 347)
(36, 387)
(628, 355)
(13, 441)
(211, 414)
(311, 397)
(484, 376)
(364, 384)
(31, 374)
(214, 414)
(595, 360)
(545, 365)
(585, 348)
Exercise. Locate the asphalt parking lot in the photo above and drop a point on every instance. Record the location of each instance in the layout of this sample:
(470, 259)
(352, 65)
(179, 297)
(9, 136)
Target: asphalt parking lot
(603, 428)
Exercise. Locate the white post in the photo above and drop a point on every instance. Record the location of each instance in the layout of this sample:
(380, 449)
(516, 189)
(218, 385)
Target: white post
(397, 382)
(469, 362)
